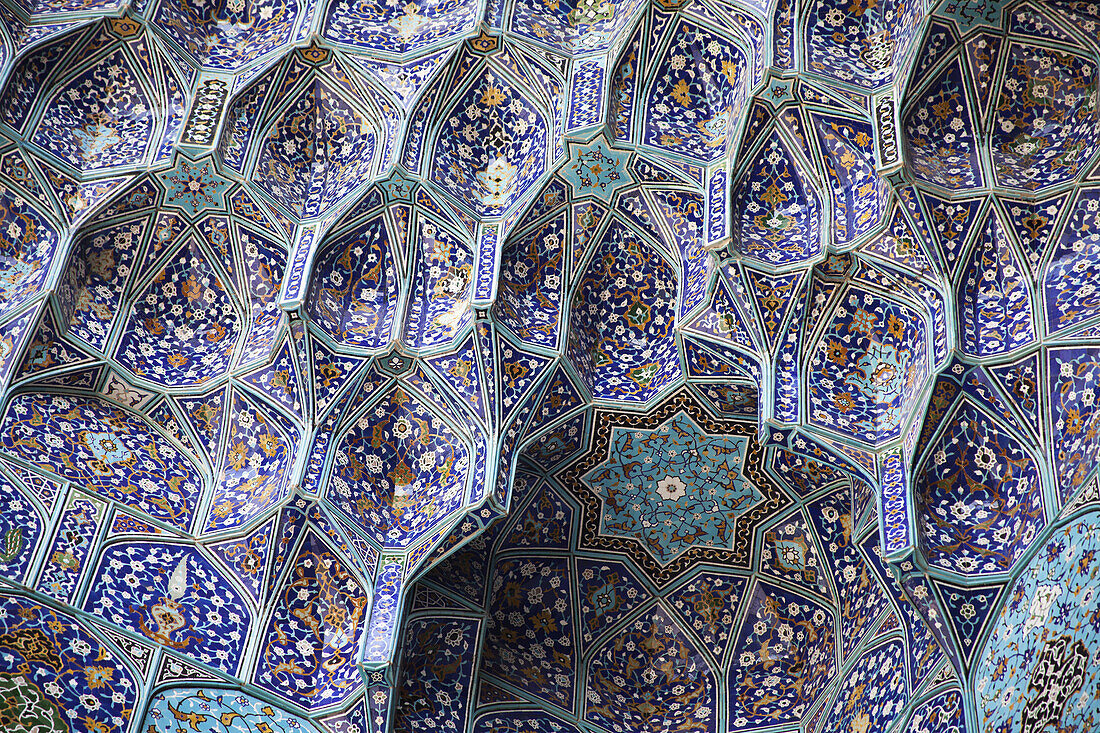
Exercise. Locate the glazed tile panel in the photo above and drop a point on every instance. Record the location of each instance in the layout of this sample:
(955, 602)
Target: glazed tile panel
(173, 596)
(694, 476)
(228, 35)
(1041, 641)
(104, 449)
(57, 672)
(538, 366)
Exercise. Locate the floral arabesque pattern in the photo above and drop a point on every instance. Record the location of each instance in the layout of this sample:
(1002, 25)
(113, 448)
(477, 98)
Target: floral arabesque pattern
(633, 320)
(578, 25)
(55, 671)
(655, 655)
(206, 708)
(183, 328)
(876, 670)
(105, 449)
(778, 212)
(940, 133)
(697, 93)
(533, 594)
(323, 311)
(316, 152)
(353, 296)
(862, 43)
(257, 456)
(438, 691)
(1040, 648)
(439, 306)
(104, 118)
(400, 471)
(865, 370)
(309, 649)
(371, 25)
(1045, 123)
(531, 284)
(28, 242)
(980, 496)
(227, 34)
(1069, 291)
(492, 147)
(995, 297)
(697, 478)
(175, 597)
(784, 651)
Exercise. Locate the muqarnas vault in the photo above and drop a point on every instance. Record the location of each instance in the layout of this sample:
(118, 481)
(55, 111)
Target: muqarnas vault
(549, 366)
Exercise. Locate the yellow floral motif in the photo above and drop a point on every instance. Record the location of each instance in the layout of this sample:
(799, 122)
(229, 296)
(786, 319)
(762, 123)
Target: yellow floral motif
(836, 352)
(98, 676)
(859, 7)
(774, 195)
(238, 454)
(269, 444)
(681, 93)
(895, 327)
(730, 70)
(281, 380)
(492, 97)
(843, 402)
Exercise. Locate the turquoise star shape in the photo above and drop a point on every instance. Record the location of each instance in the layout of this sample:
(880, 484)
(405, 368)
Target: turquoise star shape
(194, 186)
(596, 169)
(673, 488)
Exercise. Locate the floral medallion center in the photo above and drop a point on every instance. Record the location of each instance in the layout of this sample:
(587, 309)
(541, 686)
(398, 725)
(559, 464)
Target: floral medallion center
(673, 487)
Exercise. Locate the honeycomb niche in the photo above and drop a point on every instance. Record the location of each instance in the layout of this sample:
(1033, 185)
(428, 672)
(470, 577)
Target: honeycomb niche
(549, 366)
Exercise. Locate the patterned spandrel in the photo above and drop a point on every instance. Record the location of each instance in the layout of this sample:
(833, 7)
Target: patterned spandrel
(207, 707)
(105, 449)
(399, 471)
(776, 210)
(696, 94)
(980, 500)
(662, 676)
(318, 614)
(626, 299)
(1042, 641)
